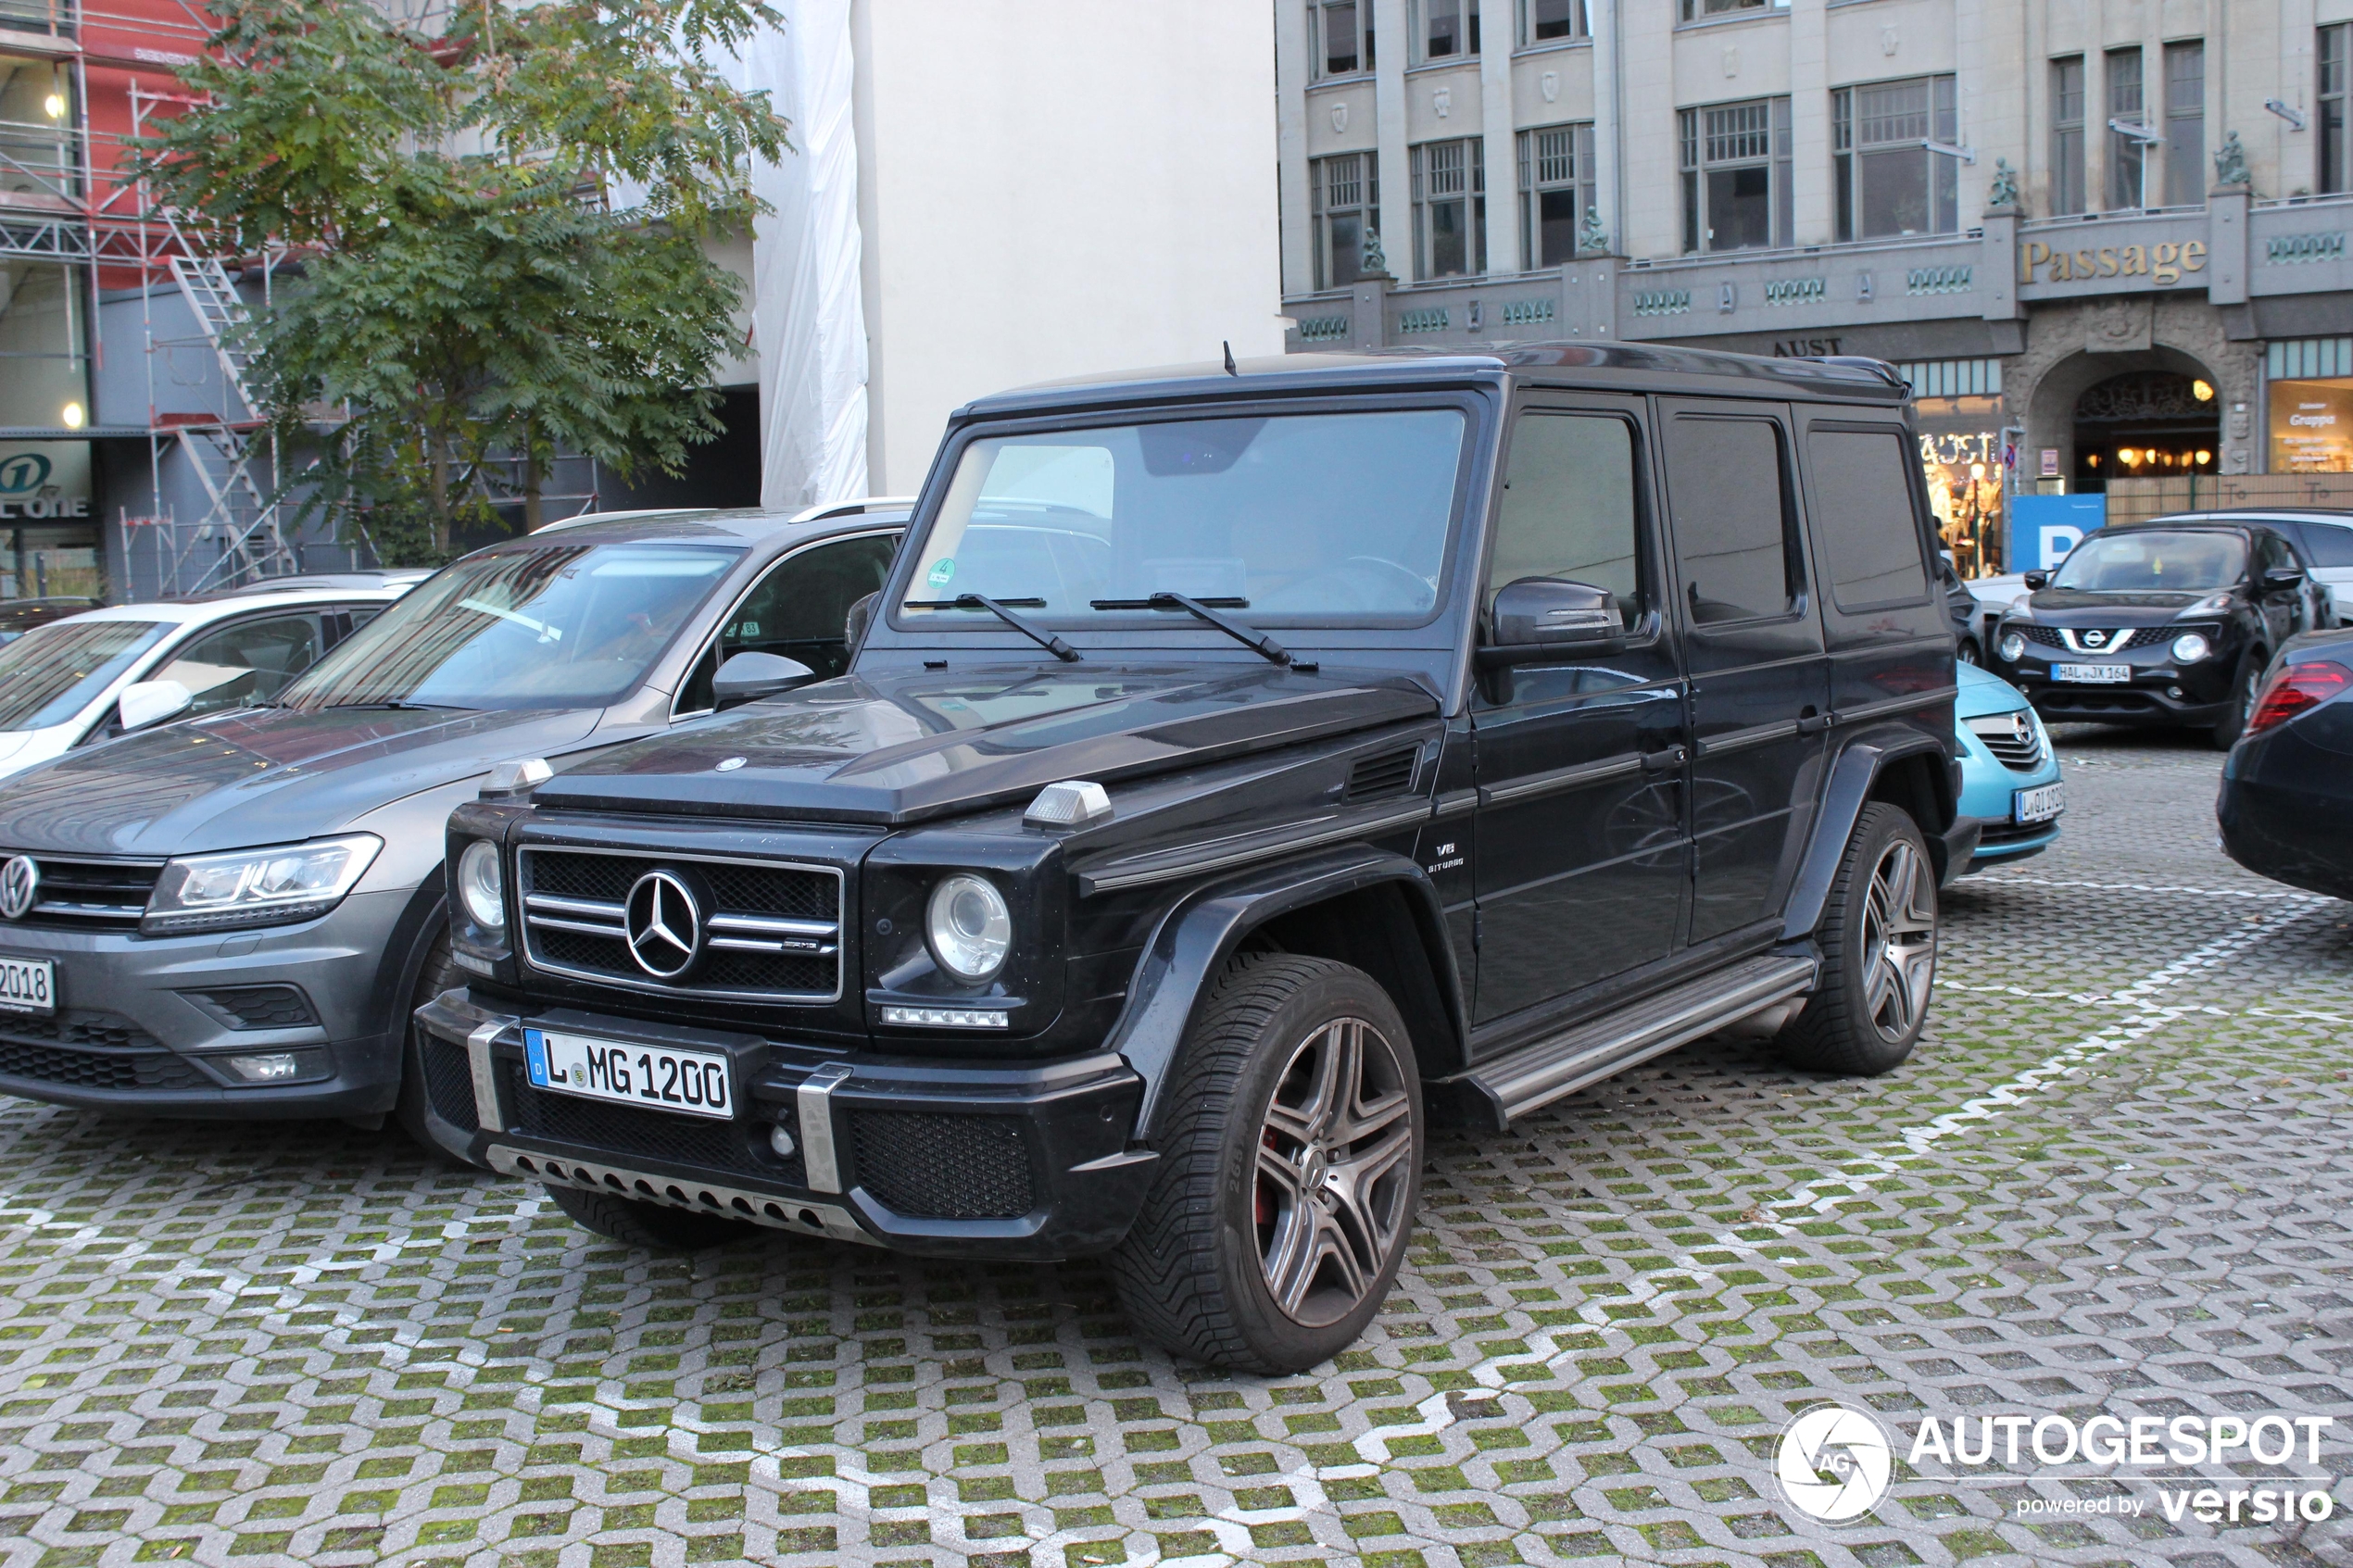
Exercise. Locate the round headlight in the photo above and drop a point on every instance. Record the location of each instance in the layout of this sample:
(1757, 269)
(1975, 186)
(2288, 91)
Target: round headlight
(480, 885)
(2013, 647)
(2191, 646)
(969, 928)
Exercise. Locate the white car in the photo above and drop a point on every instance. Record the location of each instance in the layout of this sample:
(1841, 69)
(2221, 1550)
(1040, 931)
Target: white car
(90, 677)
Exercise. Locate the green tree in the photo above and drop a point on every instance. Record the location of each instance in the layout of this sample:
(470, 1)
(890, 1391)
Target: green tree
(496, 237)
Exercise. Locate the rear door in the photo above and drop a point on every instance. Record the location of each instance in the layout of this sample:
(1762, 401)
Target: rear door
(1760, 686)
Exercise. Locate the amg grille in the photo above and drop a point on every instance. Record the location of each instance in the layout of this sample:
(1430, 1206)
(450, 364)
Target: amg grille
(450, 1083)
(1999, 734)
(929, 1166)
(613, 1130)
(771, 932)
(1390, 773)
(90, 1050)
(78, 894)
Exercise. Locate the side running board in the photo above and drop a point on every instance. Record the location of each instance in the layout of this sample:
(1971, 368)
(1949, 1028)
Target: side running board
(1545, 1069)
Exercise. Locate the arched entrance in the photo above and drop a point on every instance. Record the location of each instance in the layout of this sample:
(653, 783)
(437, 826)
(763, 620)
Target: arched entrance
(2146, 425)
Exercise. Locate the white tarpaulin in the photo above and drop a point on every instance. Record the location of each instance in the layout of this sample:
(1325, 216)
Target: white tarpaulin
(807, 317)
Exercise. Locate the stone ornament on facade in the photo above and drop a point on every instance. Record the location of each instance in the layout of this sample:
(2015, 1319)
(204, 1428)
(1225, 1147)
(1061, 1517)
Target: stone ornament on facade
(1340, 117)
(1591, 238)
(1731, 62)
(2229, 163)
(1550, 85)
(1442, 101)
(2117, 326)
(2004, 192)
(1889, 41)
(1374, 263)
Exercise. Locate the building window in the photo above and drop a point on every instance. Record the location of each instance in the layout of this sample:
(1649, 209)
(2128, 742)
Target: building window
(1341, 36)
(1696, 10)
(1556, 191)
(2336, 151)
(36, 134)
(1344, 195)
(1450, 210)
(1736, 176)
(2185, 124)
(1889, 182)
(1448, 29)
(1550, 22)
(44, 378)
(2067, 135)
(2127, 156)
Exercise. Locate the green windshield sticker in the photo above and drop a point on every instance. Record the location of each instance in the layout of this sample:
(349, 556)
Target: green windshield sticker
(941, 571)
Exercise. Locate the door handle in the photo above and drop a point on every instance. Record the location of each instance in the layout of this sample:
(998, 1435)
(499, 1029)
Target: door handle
(1661, 761)
(1812, 723)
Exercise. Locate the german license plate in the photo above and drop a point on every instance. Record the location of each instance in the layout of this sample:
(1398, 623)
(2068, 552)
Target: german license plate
(2038, 804)
(2092, 674)
(28, 985)
(658, 1077)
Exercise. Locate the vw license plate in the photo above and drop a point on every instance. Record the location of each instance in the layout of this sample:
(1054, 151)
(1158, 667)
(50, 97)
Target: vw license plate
(28, 985)
(2039, 805)
(2092, 674)
(659, 1077)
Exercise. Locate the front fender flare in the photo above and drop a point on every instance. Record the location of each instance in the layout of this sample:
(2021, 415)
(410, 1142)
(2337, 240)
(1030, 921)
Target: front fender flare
(1858, 769)
(1197, 936)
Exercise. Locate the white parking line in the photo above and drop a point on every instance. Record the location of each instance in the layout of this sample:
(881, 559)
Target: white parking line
(2012, 879)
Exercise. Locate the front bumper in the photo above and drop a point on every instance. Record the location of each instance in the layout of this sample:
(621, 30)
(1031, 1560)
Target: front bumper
(130, 1035)
(1014, 1160)
(2161, 692)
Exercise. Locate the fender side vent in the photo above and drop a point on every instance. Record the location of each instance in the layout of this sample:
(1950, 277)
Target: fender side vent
(1391, 773)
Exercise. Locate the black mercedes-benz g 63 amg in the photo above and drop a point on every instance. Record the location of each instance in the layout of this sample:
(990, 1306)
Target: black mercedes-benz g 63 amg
(1241, 770)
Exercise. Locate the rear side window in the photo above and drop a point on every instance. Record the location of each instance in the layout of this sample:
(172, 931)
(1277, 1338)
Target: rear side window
(1867, 534)
(2328, 545)
(1569, 507)
(1728, 487)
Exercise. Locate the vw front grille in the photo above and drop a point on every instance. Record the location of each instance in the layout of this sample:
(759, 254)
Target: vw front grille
(78, 893)
(770, 929)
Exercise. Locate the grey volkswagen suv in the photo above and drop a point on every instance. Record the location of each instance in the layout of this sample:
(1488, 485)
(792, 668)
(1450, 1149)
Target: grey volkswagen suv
(234, 916)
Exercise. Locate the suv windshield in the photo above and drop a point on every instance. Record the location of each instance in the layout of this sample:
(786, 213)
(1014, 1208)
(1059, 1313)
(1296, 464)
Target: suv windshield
(1337, 519)
(2153, 561)
(51, 673)
(546, 626)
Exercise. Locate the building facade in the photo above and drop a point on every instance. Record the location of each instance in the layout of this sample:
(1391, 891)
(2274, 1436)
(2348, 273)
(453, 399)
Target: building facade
(2106, 242)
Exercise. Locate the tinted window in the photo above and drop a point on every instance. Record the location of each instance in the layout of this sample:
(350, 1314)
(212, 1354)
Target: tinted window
(1729, 490)
(2328, 543)
(1569, 507)
(798, 610)
(47, 675)
(2153, 560)
(1865, 532)
(2272, 553)
(247, 661)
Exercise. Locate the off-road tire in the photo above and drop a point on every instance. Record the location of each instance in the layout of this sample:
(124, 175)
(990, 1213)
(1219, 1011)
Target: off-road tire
(655, 1227)
(1192, 1273)
(437, 975)
(1842, 1027)
(2245, 682)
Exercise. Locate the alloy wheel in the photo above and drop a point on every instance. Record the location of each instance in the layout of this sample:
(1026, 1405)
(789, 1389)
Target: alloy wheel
(1334, 1172)
(1899, 942)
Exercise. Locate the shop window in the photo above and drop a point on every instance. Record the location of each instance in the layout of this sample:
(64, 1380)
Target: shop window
(1958, 403)
(1341, 41)
(2336, 126)
(1736, 176)
(1556, 191)
(1553, 21)
(43, 378)
(1697, 10)
(1448, 29)
(1728, 484)
(2067, 135)
(2185, 124)
(1568, 508)
(37, 165)
(2310, 390)
(1887, 180)
(2128, 136)
(1344, 198)
(1863, 519)
(1450, 208)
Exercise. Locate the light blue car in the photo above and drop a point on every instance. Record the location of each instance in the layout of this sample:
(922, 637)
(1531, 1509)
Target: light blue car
(2009, 772)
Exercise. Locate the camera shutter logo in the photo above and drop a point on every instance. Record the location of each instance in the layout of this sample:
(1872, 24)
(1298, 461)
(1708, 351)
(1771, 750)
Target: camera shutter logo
(24, 473)
(19, 886)
(1835, 1463)
(663, 926)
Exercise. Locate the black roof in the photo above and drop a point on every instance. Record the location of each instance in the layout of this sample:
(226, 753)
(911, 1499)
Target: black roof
(1635, 367)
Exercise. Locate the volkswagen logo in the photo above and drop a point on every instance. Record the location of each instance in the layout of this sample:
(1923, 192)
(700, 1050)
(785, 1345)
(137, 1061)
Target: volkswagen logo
(663, 926)
(19, 886)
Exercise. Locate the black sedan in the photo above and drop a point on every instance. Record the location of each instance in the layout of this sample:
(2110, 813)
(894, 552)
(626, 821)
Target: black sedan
(2286, 806)
(2159, 623)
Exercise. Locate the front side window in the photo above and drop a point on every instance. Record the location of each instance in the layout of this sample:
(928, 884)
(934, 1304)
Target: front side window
(52, 672)
(2153, 561)
(798, 610)
(2067, 135)
(1553, 21)
(1342, 36)
(2127, 105)
(1736, 176)
(2185, 124)
(1568, 509)
(1556, 191)
(249, 662)
(1450, 208)
(1345, 200)
(1338, 518)
(527, 626)
(1889, 181)
(2335, 127)
(1728, 484)
(1449, 30)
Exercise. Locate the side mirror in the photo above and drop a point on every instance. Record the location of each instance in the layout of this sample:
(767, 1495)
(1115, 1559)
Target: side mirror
(1538, 611)
(747, 677)
(2036, 581)
(144, 702)
(854, 625)
(2282, 579)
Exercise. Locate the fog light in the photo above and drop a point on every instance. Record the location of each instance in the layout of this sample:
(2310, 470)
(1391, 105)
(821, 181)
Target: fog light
(272, 1069)
(2173, 692)
(2189, 647)
(2013, 647)
(781, 1141)
(946, 1018)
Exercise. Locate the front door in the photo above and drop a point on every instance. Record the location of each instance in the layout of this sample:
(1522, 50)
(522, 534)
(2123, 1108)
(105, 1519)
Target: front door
(1760, 681)
(1580, 849)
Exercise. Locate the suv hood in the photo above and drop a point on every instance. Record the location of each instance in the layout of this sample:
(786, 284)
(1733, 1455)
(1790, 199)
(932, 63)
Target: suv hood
(261, 776)
(2078, 607)
(900, 746)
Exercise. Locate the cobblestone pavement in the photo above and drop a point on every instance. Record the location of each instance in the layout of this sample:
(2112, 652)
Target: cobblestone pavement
(2114, 1177)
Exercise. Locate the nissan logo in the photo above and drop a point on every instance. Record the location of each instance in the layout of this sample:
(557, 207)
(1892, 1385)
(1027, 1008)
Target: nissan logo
(19, 886)
(663, 926)
(2096, 639)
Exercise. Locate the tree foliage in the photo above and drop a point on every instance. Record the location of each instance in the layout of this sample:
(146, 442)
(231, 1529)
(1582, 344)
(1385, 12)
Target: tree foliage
(499, 230)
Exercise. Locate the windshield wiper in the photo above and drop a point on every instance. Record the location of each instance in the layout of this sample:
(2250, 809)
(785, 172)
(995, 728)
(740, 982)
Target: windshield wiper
(1205, 611)
(1037, 634)
(399, 705)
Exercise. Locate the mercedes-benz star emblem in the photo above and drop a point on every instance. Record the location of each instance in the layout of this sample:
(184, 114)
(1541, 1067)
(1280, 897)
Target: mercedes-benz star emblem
(19, 886)
(663, 926)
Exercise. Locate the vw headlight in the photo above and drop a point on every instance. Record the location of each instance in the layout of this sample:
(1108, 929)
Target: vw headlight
(2191, 646)
(258, 887)
(480, 887)
(969, 928)
(2013, 647)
